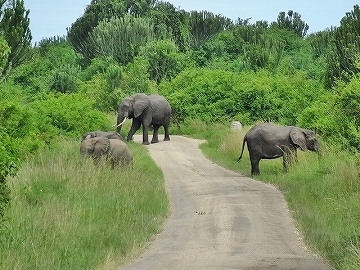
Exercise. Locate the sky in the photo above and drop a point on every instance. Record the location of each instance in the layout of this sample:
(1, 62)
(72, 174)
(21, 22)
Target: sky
(49, 18)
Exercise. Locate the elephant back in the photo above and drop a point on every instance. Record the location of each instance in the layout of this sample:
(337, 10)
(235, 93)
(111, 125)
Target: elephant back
(120, 152)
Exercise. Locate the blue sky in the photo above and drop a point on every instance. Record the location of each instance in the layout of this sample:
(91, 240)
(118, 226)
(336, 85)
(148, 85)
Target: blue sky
(50, 18)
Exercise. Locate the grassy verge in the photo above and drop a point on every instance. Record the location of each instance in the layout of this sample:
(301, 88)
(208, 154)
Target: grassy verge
(68, 214)
(323, 194)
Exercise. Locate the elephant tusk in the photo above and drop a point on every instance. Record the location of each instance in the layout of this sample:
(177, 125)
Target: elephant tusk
(120, 123)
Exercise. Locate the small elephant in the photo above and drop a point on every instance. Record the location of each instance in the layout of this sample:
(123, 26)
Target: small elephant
(153, 110)
(113, 150)
(268, 141)
(99, 133)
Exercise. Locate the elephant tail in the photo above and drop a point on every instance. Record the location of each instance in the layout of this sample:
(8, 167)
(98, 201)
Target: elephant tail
(242, 150)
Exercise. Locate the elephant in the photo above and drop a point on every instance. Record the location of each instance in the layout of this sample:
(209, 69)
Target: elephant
(268, 141)
(113, 150)
(153, 110)
(99, 133)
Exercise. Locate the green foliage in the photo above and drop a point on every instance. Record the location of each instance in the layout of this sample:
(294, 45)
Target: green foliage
(215, 95)
(342, 60)
(97, 11)
(204, 25)
(105, 215)
(14, 27)
(9, 164)
(164, 60)
(102, 80)
(4, 53)
(320, 42)
(54, 61)
(322, 193)
(69, 114)
(120, 38)
(171, 22)
(292, 21)
(110, 19)
(135, 78)
(336, 115)
(64, 79)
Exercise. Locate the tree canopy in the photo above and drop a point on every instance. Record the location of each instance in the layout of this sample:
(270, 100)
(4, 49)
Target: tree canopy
(14, 28)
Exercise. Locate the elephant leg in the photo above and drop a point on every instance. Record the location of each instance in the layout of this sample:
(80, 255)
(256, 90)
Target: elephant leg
(145, 135)
(255, 166)
(288, 159)
(167, 136)
(134, 127)
(155, 137)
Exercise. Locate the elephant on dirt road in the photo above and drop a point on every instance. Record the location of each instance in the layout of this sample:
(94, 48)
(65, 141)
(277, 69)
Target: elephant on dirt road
(114, 151)
(99, 133)
(153, 110)
(268, 141)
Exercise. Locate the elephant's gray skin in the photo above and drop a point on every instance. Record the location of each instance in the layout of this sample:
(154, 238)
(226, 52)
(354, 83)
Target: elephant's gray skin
(268, 141)
(114, 151)
(99, 133)
(153, 110)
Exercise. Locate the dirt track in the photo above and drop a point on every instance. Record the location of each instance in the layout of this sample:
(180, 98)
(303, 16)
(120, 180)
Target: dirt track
(220, 219)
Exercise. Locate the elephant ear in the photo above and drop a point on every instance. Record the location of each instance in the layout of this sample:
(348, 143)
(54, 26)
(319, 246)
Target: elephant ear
(101, 146)
(140, 104)
(298, 137)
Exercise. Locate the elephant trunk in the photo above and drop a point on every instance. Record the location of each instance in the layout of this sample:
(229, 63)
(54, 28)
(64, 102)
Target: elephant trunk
(120, 121)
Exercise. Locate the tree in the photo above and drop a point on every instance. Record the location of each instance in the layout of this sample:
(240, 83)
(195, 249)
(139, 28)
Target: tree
(343, 60)
(4, 55)
(292, 21)
(14, 27)
(204, 25)
(139, 7)
(164, 60)
(97, 11)
(120, 38)
(170, 22)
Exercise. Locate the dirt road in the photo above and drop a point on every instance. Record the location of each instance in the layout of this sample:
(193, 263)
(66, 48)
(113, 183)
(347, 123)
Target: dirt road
(220, 219)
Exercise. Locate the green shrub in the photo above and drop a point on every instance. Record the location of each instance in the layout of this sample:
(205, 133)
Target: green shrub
(214, 95)
(64, 79)
(9, 163)
(69, 114)
(336, 114)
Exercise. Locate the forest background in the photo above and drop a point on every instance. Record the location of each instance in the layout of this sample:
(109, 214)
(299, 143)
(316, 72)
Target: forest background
(210, 68)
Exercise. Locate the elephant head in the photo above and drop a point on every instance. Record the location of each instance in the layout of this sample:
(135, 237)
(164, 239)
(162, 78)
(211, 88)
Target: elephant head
(305, 139)
(131, 107)
(96, 147)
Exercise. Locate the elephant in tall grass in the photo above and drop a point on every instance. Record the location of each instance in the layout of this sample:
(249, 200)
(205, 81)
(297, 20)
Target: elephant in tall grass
(153, 110)
(114, 151)
(268, 141)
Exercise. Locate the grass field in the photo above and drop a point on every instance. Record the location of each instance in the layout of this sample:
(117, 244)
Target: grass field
(68, 214)
(323, 194)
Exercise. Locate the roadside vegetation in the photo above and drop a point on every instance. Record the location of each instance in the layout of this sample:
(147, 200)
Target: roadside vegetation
(322, 193)
(67, 213)
(53, 204)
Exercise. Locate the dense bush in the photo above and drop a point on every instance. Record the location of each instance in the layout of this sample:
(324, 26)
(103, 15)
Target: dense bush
(215, 95)
(69, 114)
(336, 114)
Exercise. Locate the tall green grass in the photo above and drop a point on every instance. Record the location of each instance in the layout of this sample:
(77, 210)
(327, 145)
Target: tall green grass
(66, 213)
(323, 194)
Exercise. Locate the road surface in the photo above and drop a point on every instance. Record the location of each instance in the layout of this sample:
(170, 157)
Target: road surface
(220, 219)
